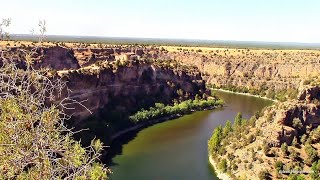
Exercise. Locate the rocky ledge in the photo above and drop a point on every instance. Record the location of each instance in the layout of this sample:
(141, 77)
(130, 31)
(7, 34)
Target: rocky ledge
(280, 142)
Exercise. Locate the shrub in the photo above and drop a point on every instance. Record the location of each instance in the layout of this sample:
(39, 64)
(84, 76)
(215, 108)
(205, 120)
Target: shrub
(316, 170)
(250, 139)
(266, 148)
(306, 82)
(303, 139)
(311, 153)
(316, 134)
(278, 166)
(223, 166)
(296, 123)
(33, 139)
(293, 154)
(284, 148)
(295, 177)
(263, 175)
(294, 142)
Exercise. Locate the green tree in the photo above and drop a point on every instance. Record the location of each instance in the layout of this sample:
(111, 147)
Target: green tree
(238, 120)
(295, 177)
(316, 135)
(227, 128)
(278, 166)
(303, 139)
(263, 175)
(284, 148)
(215, 140)
(293, 154)
(223, 165)
(296, 123)
(266, 148)
(316, 170)
(312, 154)
(294, 142)
(33, 140)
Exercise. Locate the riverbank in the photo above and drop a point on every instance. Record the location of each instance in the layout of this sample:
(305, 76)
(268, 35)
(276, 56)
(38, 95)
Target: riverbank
(245, 94)
(175, 143)
(155, 121)
(142, 125)
(220, 174)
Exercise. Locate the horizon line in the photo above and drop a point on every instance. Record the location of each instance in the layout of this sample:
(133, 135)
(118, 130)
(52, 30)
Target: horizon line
(168, 38)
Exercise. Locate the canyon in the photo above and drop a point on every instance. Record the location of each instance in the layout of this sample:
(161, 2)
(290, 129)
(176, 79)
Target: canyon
(113, 82)
(113, 89)
(267, 69)
(281, 138)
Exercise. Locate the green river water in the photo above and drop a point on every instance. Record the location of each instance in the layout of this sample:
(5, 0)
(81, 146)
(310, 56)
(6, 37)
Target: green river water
(177, 149)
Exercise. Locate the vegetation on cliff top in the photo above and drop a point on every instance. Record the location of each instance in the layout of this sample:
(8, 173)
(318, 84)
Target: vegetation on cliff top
(263, 91)
(280, 143)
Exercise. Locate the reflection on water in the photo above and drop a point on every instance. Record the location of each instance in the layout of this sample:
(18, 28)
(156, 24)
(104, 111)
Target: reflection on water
(177, 149)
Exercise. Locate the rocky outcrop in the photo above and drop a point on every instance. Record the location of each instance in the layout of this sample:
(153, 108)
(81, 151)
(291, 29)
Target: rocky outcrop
(108, 89)
(57, 58)
(134, 87)
(309, 94)
(294, 123)
(53, 57)
(273, 69)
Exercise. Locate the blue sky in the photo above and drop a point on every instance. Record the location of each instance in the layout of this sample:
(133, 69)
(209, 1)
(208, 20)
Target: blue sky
(245, 20)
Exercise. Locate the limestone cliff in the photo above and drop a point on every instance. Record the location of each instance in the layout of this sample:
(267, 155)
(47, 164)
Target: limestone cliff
(53, 57)
(270, 69)
(286, 137)
(128, 88)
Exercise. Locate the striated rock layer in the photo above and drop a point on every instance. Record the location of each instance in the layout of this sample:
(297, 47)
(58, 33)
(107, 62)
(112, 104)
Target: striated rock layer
(128, 88)
(284, 138)
(270, 69)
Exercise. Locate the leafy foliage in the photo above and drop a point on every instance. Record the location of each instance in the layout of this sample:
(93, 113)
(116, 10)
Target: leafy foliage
(33, 139)
(263, 175)
(215, 140)
(284, 148)
(223, 165)
(312, 154)
(316, 170)
(278, 166)
(227, 128)
(160, 110)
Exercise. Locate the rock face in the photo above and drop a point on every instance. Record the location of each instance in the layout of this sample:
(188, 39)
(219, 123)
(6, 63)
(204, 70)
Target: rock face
(274, 69)
(117, 86)
(223, 67)
(293, 122)
(54, 57)
(306, 109)
(133, 87)
(57, 58)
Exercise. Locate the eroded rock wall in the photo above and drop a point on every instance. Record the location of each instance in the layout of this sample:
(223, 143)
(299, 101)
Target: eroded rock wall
(130, 87)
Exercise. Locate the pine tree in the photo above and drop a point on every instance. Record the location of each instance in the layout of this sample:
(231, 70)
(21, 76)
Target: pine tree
(215, 140)
(238, 120)
(227, 128)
